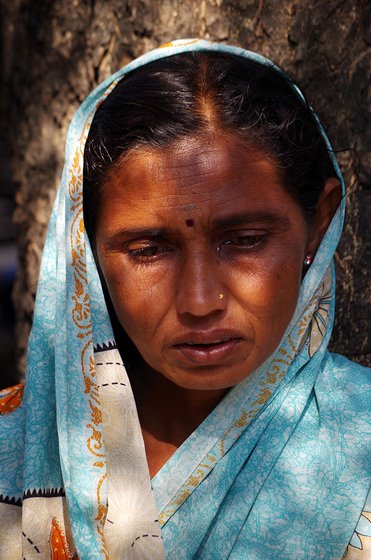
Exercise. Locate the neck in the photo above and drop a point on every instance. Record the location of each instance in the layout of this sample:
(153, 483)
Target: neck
(168, 413)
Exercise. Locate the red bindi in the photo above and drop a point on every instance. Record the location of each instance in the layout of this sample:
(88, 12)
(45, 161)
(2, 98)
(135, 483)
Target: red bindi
(189, 223)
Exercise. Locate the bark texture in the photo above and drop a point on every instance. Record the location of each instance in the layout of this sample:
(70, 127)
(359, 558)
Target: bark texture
(56, 51)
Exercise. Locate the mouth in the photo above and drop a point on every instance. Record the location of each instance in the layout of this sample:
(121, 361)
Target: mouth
(208, 349)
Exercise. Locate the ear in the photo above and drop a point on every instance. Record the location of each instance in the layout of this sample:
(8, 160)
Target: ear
(327, 204)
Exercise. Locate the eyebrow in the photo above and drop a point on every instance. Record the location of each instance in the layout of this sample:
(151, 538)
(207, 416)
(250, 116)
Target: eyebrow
(124, 234)
(243, 218)
(119, 237)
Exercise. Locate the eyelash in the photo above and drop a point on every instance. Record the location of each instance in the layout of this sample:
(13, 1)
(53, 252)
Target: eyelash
(152, 253)
(143, 252)
(253, 241)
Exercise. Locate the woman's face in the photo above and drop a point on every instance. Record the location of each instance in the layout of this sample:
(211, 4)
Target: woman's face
(202, 251)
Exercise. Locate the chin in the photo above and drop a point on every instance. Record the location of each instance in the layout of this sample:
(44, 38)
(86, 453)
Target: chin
(206, 379)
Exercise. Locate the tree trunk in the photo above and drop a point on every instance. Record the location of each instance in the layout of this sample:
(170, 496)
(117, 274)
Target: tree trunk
(56, 51)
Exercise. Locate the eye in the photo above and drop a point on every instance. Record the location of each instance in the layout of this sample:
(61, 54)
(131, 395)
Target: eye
(147, 250)
(244, 241)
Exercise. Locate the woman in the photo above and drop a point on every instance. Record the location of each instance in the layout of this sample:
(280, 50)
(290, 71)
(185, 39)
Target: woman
(213, 205)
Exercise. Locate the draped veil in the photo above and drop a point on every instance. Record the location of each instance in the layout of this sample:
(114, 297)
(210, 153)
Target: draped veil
(278, 470)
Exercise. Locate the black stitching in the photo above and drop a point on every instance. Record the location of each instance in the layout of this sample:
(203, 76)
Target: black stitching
(142, 536)
(31, 543)
(112, 383)
(110, 364)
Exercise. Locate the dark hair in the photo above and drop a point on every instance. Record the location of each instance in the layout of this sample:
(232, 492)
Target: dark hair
(185, 94)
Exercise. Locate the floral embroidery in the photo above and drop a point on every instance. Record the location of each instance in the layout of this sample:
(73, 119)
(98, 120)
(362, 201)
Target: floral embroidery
(360, 543)
(320, 319)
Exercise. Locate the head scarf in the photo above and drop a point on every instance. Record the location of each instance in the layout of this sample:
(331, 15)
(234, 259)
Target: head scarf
(278, 470)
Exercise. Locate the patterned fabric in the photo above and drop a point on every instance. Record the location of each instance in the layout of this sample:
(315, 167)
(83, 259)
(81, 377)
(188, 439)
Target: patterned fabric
(360, 545)
(278, 470)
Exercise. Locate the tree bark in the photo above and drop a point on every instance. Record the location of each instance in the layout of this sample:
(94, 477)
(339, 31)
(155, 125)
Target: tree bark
(56, 51)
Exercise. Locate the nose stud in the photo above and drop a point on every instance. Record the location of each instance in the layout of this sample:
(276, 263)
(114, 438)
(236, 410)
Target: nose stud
(221, 296)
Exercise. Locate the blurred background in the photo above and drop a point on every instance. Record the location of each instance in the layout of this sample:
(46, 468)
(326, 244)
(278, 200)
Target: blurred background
(8, 268)
(52, 53)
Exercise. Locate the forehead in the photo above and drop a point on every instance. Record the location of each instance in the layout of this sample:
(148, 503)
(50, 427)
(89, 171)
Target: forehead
(196, 175)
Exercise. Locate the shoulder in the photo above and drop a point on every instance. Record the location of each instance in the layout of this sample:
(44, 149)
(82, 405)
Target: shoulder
(360, 544)
(344, 366)
(347, 383)
(343, 393)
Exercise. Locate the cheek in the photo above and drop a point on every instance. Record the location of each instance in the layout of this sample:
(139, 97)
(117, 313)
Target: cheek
(269, 294)
(135, 297)
(284, 296)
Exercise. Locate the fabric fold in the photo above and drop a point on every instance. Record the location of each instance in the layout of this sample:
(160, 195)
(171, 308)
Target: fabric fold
(278, 470)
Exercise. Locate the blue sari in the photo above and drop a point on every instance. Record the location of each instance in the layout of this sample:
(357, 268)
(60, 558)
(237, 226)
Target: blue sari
(279, 469)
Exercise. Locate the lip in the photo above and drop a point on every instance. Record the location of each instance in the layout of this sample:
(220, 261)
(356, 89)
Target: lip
(208, 348)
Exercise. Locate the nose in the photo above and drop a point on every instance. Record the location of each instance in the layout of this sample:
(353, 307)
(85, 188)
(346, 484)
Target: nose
(200, 290)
